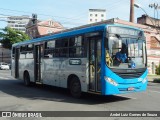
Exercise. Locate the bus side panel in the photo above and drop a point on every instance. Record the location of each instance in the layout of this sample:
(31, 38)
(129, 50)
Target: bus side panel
(56, 72)
(67, 69)
(26, 65)
(50, 72)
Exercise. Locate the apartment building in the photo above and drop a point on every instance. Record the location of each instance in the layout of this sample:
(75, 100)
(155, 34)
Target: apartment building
(96, 15)
(18, 22)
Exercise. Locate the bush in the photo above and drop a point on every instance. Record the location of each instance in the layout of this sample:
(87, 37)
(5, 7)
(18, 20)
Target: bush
(158, 69)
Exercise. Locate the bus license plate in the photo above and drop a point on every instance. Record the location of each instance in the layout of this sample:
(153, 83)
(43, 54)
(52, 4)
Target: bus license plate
(130, 88)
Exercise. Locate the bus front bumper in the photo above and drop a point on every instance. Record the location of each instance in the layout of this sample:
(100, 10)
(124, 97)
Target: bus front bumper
(112, 87)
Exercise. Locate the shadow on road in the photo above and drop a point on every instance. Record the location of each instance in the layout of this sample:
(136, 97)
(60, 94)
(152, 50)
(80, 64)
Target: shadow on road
(44, 92)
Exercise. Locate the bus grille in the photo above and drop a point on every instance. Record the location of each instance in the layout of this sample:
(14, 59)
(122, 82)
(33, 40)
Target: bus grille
(130, 75)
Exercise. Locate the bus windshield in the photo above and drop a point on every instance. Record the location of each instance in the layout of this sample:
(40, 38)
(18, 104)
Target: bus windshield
(125, 51)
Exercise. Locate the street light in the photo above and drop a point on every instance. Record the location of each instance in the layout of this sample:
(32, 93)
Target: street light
(138, 6)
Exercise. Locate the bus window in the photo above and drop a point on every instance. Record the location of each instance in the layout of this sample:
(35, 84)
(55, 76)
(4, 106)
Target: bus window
(76, 47)
(49, 49)
(62, 47)
(23, 52)
(29, 51)
(13, 52)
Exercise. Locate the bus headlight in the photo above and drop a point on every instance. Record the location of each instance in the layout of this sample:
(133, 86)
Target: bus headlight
(144, 80)
(110, 81)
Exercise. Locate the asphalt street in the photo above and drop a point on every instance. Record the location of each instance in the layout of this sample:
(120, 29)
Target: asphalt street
(14, 96)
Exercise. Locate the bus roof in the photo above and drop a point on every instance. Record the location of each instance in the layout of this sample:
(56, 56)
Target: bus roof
(63, 34)
(99, 26)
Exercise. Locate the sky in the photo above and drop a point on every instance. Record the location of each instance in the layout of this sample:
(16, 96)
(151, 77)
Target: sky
(72, 13)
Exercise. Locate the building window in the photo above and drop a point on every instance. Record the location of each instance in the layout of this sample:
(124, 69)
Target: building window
(49, 31)
(91, 20)
(90, 14)
(96, 15)
(102, 15)
(51, 23)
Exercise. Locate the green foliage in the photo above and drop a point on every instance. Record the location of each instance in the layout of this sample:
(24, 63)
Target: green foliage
(10, 36)
(158, 69)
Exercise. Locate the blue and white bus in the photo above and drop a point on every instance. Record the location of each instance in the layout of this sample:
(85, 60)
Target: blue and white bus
(85, 59)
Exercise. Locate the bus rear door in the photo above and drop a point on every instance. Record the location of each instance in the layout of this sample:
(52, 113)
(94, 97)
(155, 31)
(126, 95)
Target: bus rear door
(17, 51)
(37, 62)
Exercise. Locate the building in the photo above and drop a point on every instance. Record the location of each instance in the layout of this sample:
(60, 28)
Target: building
(149, 21)
(18, 22)
(153, 42)
(5, 54)
(96, 15)
(41, 28)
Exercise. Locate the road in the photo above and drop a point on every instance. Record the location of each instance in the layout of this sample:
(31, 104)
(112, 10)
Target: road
(14, 96)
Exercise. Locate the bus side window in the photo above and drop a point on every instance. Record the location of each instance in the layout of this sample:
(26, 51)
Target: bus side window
(61, 46)
(76, 46)
(49, 49)
(13, 52)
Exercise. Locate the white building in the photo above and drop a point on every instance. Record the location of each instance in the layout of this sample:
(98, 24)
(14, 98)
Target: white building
(18, 22)
(96, 15)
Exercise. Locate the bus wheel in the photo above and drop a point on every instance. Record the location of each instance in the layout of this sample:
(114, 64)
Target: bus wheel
(26, 79)
(75, 87)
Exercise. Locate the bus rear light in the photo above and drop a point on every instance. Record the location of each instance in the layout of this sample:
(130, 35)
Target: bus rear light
(110, 81)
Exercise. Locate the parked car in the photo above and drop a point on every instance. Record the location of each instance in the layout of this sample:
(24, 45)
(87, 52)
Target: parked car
(4, 66)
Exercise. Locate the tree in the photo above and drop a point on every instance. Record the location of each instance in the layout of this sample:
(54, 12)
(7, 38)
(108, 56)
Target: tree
(10, 36)
(158, 69)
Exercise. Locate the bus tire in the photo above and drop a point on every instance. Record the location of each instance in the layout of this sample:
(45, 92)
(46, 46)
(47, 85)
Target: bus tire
(27, 79)
(75, 87)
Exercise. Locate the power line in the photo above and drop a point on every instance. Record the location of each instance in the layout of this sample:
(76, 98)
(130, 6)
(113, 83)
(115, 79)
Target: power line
(37, 13)
(116, 4)
(62, 21)
(65, 22)
(71, 18)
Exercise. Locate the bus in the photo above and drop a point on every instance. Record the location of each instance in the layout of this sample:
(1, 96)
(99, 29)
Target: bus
(84, 59)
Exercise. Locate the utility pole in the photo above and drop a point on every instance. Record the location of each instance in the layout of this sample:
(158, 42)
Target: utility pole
(132, 11)
(155, 7)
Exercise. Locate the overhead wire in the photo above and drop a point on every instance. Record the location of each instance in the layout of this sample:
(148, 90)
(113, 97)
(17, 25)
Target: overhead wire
(68, 21)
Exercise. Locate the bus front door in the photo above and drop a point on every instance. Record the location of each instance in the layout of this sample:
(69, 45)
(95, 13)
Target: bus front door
(37, 63)
(94, 64)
